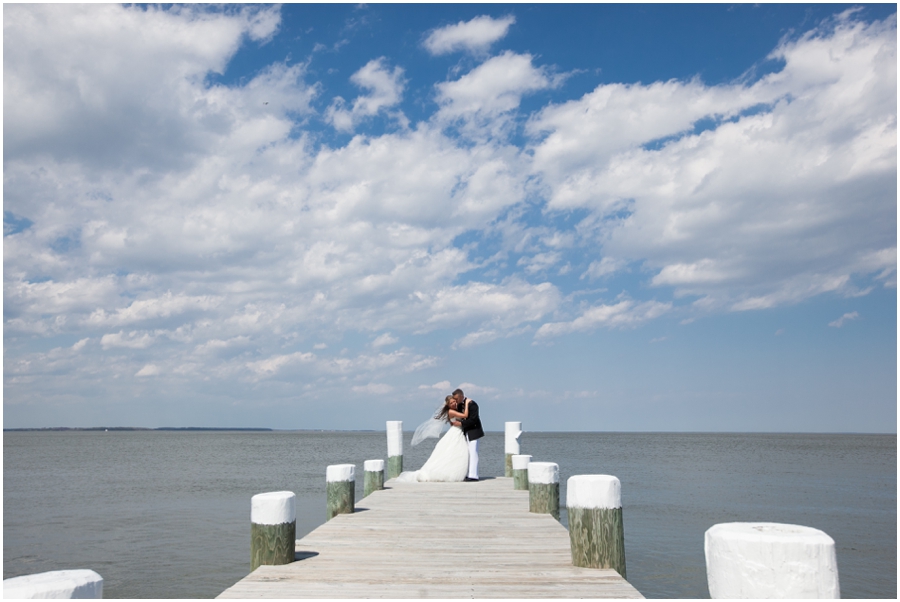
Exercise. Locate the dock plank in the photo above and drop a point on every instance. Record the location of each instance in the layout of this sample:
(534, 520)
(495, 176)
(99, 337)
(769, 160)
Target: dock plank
(436, 540)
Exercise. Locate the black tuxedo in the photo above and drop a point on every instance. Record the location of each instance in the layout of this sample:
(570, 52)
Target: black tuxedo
(471, 426)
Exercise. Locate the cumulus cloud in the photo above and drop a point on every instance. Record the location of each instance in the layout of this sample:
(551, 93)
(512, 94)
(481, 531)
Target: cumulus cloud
(130, 340)
(148, 309)
(488, 334)
(471, 389)
(444, 385)
(384, 339)
(509, 304)
(123, 86)
(604, 267)
(274, 364)
(540, 262)
(385, 88)
(474, 36)
(845, 318)
(788, 192)
(205, 231)
(373, 389)
(148, 370)
(623, 314)
(492, 90)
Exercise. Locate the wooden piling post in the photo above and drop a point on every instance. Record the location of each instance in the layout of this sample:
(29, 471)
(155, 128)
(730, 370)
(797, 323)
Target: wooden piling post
(273, 528)
(520, 471)
(340, 480)
(395, 448)
(596, 530)
(513, 430)
(73, 583)
(374, 476)
(770, 560)
(543, 488)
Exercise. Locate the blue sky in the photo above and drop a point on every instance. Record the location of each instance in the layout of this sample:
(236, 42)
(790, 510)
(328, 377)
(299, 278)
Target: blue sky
(589, 217)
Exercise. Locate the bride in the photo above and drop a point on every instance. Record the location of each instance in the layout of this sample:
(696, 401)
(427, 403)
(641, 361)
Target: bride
(449, 460)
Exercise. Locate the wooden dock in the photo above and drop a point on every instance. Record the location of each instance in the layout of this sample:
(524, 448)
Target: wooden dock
(436, 540)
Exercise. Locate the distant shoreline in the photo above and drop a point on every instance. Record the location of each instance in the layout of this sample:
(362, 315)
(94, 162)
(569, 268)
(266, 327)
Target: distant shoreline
(272, 430)
(139, 428)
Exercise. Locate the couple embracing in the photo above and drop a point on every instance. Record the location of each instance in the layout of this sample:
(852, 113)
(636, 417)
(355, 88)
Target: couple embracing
(455, 457)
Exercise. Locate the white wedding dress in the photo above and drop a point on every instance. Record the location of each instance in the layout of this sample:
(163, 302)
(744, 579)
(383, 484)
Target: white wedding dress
(449, 461)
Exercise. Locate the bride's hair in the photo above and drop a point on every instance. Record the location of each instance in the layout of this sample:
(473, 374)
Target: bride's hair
(442, 413)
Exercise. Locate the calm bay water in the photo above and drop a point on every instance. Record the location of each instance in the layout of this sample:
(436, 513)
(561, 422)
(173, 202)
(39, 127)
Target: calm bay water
(164, 514)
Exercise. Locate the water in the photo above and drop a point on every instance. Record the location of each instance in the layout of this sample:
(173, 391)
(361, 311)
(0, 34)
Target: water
(166, 514)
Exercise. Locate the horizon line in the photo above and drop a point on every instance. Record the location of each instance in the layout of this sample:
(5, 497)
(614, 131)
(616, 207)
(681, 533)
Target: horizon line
(323, 430)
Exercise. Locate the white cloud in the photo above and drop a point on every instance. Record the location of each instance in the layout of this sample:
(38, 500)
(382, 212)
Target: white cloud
(130, 340)
(374, 389)
(274, 364)
(147, 309)
(481, 337)
(401, 360)
(492, 89)
(540, 262)
(208, 231)
(36, 299)
(791, 194)
(219, 346)
(384, 339)
(397, 362)
(111, 85)
(508, 305)
(703, 271)
(488, 334)
(263, 24)
(624, 314)
(845, 318)
(148, 370)
(444, 385)
(471, 389)
(604, 267)
(385, 90)
(474, 36)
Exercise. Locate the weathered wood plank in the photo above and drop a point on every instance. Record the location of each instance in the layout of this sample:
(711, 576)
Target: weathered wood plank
(411, 540)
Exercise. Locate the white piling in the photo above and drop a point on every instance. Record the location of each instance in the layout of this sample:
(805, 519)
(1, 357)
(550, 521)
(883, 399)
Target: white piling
(340, 485)
(520, 471)
(770, 560)
(69, 584)
(543, 488)
(513, 430)
(596, 530)
(395, 448)
(374, 476)
(273, 528)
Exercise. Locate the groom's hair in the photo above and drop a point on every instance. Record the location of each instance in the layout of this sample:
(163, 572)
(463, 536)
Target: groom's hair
(458, 392)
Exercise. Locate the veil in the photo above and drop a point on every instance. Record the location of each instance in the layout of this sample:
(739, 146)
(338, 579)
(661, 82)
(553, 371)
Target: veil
(431, 428)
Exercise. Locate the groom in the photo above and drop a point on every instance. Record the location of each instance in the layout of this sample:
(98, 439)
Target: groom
(471, 428)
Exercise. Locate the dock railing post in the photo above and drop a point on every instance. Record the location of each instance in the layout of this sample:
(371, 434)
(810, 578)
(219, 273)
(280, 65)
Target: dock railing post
(374, 476)
(596, 530)
(513, 430)
(273, 528)
(543, 488)
(395, 448)
(520, 471)
(770, 560)
(340, 480)
(69, 584)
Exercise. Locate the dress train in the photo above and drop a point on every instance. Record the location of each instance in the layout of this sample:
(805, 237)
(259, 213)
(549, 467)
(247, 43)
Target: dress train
(448, 463)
